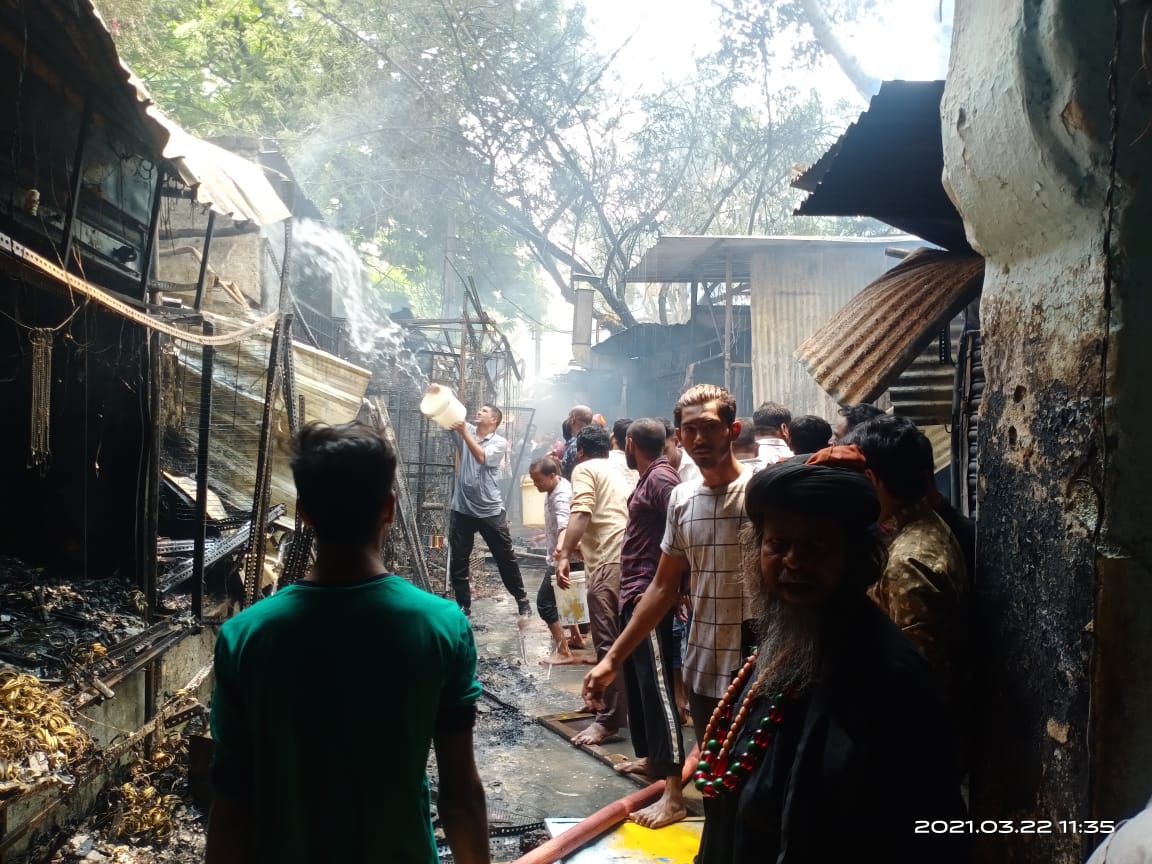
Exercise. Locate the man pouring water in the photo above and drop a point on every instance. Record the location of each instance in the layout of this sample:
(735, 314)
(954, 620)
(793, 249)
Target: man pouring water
(477, 505)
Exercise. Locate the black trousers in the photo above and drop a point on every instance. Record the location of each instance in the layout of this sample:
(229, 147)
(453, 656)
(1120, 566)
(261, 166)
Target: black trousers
(655, 721)
(494, 529)
(546, 596)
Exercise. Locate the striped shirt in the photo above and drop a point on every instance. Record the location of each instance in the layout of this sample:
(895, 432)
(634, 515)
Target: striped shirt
(647, 520)
(703, 529)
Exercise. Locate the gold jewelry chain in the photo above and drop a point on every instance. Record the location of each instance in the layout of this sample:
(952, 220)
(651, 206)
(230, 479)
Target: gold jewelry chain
(40, 454)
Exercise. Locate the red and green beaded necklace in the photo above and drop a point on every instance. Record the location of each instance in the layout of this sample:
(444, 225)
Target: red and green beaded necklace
(716, 772)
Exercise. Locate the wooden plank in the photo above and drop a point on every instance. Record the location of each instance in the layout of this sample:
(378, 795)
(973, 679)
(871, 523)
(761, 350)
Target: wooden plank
(571, 723)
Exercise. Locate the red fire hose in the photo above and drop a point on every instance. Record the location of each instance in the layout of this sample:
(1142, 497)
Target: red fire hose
(603, 819)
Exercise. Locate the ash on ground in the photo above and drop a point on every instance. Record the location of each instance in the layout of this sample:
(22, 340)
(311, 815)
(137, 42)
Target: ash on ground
(502, 729)
(148, 818)
(185, 846)
(505, 680)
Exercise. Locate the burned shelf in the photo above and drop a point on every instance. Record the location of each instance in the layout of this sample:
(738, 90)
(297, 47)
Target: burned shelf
(178, 571)
(132, 655)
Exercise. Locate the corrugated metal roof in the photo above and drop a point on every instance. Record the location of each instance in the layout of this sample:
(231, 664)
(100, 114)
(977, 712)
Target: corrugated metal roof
(888, 165)
(861, 350)
(940, 437)
(229, 184)
(923, 391)
(684, 258)
(222, 181)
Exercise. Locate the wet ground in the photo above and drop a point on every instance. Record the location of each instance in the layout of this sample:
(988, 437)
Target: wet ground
(529, 772)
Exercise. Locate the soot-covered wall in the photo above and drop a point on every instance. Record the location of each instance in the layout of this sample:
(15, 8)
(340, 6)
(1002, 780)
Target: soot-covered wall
(79, 515)
(1053, 197)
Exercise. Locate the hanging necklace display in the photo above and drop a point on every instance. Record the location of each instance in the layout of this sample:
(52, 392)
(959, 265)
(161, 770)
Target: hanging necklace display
(41, 404)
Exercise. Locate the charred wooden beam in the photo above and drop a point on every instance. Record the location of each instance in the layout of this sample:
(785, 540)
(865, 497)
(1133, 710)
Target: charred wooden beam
(197, 233)
(204, 260)
(207, 358)
(152, 474)
(77, 180)
(153, 229)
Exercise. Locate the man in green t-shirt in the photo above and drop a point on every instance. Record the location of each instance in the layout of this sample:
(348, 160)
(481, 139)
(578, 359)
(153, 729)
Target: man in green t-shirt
(330, 693)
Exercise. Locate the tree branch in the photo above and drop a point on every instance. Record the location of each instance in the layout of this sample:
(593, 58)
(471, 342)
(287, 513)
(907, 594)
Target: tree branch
(866, 85)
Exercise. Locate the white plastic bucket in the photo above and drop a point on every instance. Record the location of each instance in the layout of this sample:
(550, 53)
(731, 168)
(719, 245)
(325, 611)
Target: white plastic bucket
(441, 406)
(572, 603)
(531, 503)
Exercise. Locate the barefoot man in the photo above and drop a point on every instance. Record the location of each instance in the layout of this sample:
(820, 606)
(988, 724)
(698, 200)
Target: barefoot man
(596, 526)
(545, 474)
(654, 719)
(703, 534)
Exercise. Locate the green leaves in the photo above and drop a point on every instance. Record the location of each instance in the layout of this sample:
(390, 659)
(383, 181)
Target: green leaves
(494, 134)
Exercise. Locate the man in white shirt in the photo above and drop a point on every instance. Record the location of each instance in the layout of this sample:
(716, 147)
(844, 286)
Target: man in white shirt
(768, 418)
(617, 455)
(1130, 844)
(545, 474)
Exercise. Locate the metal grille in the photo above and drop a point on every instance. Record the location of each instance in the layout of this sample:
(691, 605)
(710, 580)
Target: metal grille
(971, 394)
(472, 356)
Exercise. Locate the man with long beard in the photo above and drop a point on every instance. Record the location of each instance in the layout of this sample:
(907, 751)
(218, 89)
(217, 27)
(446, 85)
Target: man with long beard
(832, 744)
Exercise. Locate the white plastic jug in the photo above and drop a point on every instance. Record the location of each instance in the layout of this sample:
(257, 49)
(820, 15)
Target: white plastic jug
(441, 406)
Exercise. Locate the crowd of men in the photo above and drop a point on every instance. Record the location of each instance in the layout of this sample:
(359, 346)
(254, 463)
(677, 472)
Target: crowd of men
(819, 580)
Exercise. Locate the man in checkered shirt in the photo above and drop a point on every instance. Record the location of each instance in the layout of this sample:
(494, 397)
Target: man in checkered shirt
(702, 537)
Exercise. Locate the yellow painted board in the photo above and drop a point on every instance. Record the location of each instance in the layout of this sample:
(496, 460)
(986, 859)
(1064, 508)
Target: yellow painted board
(628, 842)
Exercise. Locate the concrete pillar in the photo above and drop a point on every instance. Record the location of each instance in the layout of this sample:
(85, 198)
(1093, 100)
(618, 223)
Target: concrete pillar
(1064, 592)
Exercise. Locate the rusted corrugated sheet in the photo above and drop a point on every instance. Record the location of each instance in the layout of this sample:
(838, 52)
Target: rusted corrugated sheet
(330, 390)
(861, 350)
(940, 437)
(923, 393)
(795, 292)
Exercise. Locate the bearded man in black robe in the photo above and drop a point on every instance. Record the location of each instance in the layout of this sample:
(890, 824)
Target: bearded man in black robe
(833, 744)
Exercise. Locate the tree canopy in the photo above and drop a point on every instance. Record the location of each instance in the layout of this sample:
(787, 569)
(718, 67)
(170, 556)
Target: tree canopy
(493, 133)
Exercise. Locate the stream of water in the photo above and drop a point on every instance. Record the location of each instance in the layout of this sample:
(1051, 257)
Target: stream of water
(324, 258)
